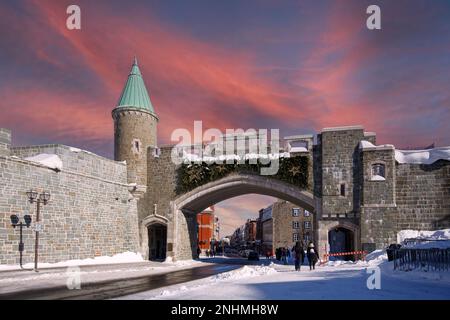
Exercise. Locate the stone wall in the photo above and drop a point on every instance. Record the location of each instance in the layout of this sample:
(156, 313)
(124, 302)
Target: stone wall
(90, 213)
(423, 196)
(340, 166)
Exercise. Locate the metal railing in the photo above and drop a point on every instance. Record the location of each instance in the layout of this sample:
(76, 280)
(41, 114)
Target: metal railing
(432, 259)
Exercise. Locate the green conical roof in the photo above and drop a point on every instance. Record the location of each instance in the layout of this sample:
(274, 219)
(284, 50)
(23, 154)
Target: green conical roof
(135, 93)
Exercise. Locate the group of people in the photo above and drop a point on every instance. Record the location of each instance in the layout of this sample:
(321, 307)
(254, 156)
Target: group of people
(298, 253)
(209, 253)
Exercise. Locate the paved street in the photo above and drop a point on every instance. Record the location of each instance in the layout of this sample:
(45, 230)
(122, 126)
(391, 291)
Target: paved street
(109, 281)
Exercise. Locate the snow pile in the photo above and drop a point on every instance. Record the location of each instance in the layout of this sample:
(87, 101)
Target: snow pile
(412, 156)
(422, 156)
(189, 157)
(52, 161)
(377, 257)
(377, 178)
(244, 272)
(125, 257)
(364, 144)
(76, 150)
(298, 149)
(425, 239)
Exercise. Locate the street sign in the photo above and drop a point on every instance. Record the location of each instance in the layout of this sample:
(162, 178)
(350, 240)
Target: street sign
(37, 227)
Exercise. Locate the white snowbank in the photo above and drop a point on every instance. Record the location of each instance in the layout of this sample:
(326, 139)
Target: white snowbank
(244, 272)
(422, 156)
(125, 257)
(426, 239)
(443, 234)
(52, 161)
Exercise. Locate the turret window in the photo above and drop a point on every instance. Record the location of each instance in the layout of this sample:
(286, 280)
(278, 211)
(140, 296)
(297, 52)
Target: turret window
(136, 146)
(378, 172)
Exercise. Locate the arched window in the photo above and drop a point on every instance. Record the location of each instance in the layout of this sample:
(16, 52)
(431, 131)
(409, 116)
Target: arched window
(378, 172)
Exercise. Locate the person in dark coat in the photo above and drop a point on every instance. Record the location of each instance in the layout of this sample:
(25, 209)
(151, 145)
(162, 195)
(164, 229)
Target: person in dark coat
(199, 251)
(313, 256)
(299, 255)
(278, 254)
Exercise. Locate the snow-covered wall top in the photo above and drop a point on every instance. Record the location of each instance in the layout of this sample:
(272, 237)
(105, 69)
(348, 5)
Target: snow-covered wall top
(428, 156)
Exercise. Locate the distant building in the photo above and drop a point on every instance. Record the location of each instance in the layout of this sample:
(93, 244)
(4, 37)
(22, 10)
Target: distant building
(237, 239)
(265, 232)
(250, 233)
(291, 224)
(207, 224)
(282, 224)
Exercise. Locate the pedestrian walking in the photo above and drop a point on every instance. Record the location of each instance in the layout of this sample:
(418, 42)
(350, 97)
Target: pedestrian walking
(283, 255)
(288, 255)
(299, 255)
(313, 256)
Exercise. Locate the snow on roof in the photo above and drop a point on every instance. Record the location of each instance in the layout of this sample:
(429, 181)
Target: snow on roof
(422, 156)
(428, 156)
(189, 157)
(52, 161)
(364, 144)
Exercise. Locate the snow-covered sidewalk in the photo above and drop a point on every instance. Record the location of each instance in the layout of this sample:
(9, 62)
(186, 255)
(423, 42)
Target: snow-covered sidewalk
(335, 280)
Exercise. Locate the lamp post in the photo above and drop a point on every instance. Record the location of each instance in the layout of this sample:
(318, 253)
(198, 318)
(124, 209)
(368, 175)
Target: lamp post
(43, 198)
(15, 222)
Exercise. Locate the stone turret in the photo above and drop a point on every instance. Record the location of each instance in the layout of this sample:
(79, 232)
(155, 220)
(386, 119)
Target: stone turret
(135, 123)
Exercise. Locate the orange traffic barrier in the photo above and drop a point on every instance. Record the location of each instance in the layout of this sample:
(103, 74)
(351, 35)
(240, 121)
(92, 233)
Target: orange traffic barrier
(340, 254)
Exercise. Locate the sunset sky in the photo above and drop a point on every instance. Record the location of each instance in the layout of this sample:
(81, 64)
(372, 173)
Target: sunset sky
(294, 65)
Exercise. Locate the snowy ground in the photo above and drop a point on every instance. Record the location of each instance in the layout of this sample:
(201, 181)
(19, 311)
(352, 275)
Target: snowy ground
(90, 271)
(336, 280)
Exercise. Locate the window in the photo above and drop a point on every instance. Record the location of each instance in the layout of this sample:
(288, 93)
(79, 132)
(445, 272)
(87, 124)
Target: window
(136, 145)
(307, 225)
(295, 237)
(295, 212)
(307, 213)
(295, 224)
(378, 172)
(343, 189)
(307, 237)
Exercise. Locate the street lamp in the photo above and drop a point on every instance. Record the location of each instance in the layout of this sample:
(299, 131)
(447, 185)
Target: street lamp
(15, 222)
(43, 198)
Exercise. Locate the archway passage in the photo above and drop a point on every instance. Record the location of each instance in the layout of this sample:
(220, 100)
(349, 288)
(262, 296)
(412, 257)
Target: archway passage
(341, 240)
(189, 204)
(157, 242)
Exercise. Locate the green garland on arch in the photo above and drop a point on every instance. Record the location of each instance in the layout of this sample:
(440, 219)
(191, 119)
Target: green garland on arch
(192, 175)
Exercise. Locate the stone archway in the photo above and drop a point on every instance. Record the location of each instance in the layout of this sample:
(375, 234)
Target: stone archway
(183, 231)
(348, 226)
(149, 227)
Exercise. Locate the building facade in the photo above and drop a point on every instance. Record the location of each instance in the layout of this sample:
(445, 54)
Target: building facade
(291, 224)
(207, 228)
(100, 206)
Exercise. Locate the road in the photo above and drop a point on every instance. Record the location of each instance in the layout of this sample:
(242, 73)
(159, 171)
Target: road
(125, 286)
